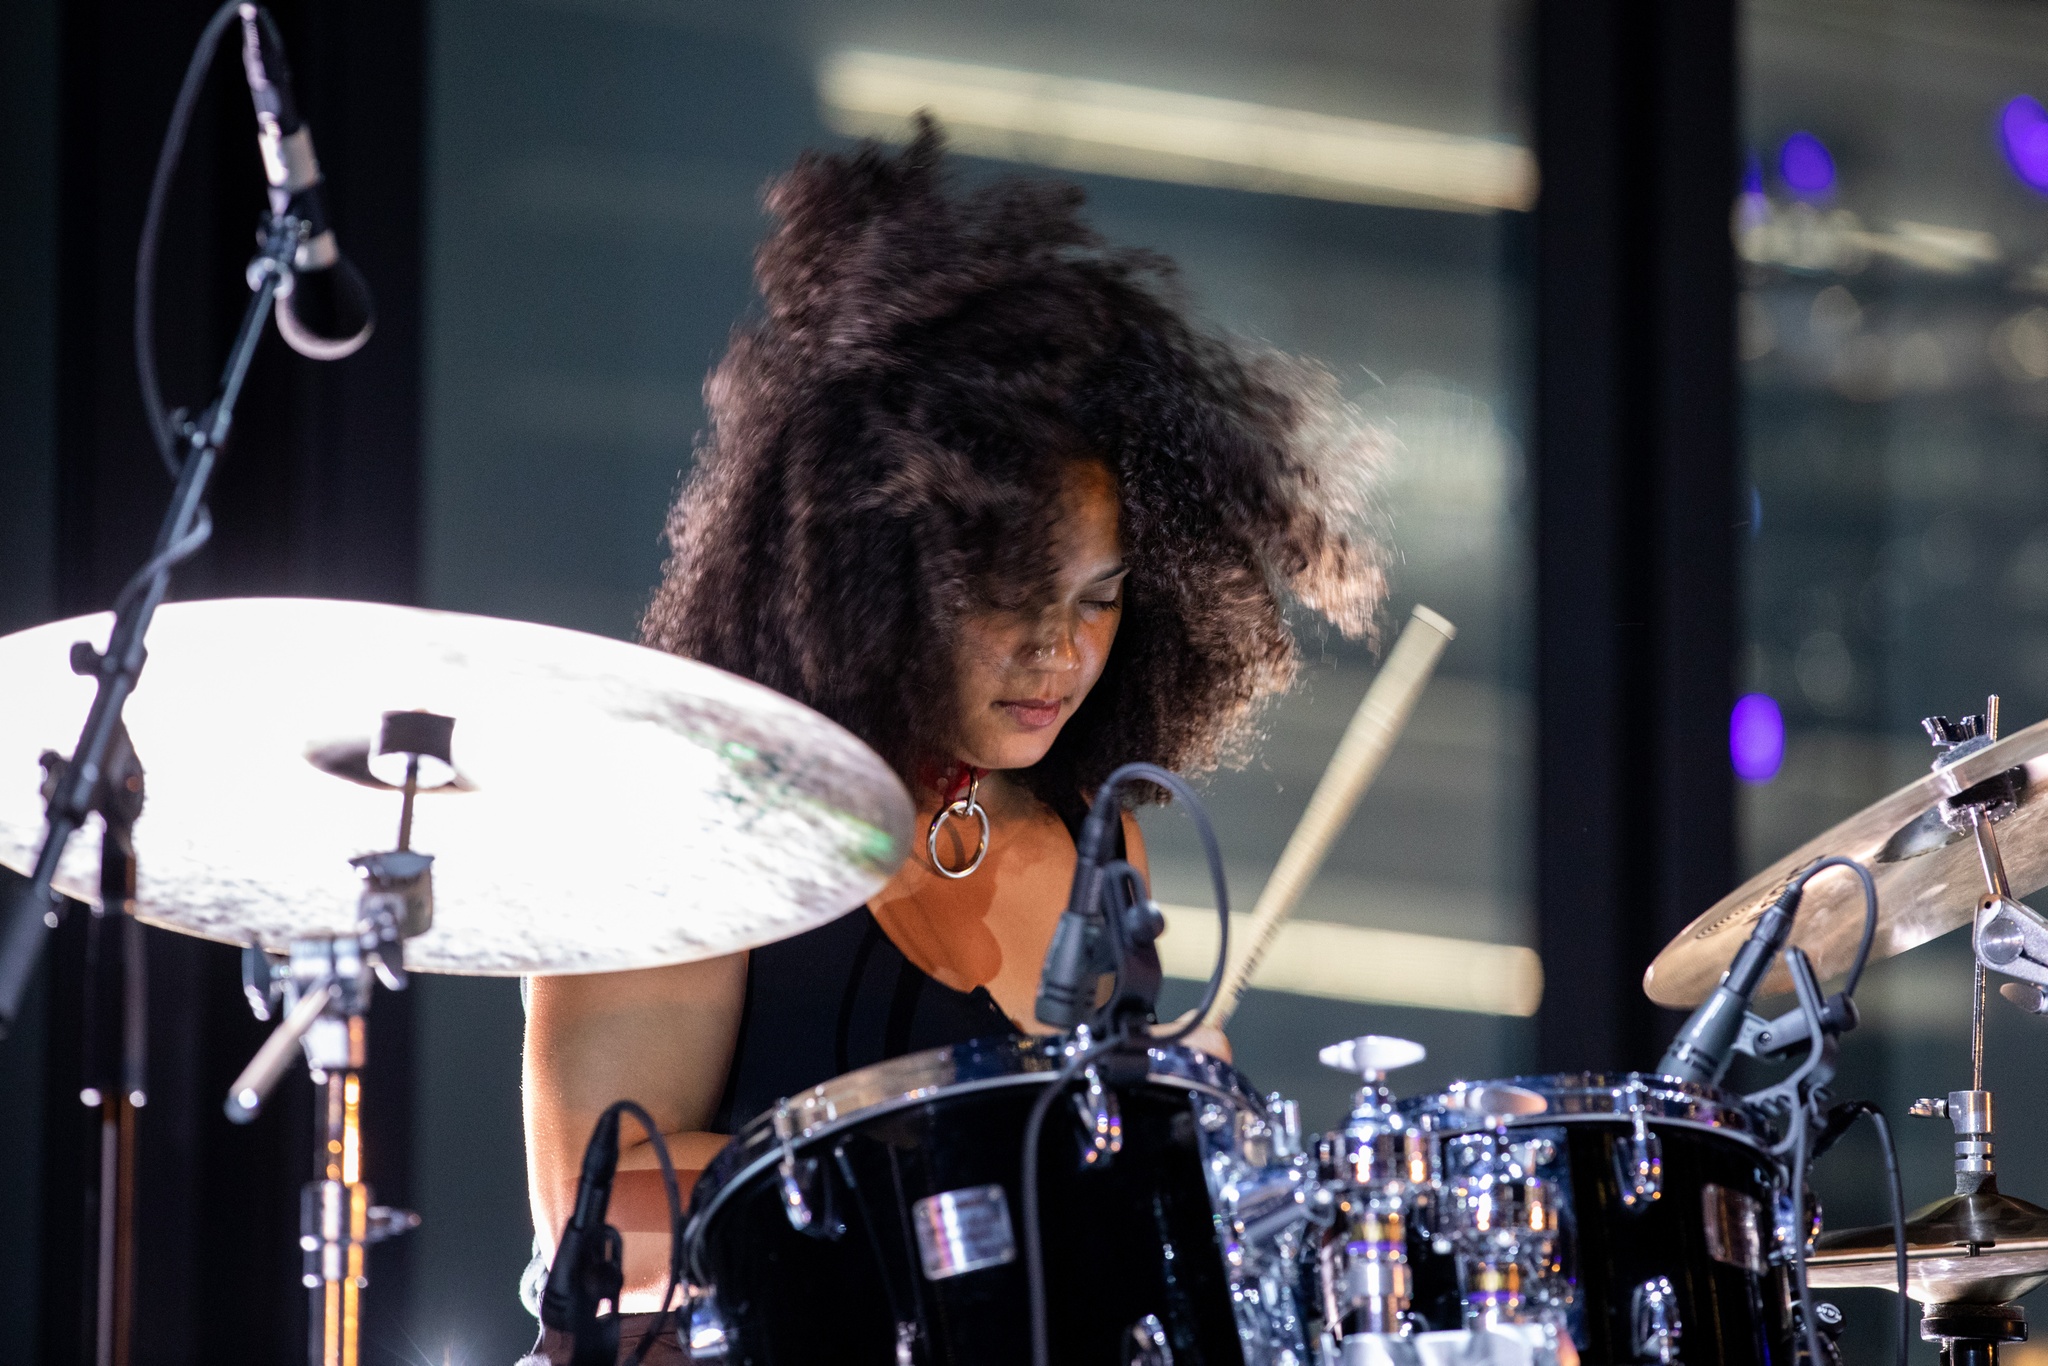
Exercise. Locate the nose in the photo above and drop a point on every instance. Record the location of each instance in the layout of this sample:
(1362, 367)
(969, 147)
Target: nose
(1054, 645)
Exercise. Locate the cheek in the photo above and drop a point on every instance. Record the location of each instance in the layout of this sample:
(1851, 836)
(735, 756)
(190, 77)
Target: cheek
(1095, 639)
(983, 660)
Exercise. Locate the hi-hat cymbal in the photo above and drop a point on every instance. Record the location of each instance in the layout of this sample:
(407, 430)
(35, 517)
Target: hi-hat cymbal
(614, 806)
(1985, 1248)
(1927, 876)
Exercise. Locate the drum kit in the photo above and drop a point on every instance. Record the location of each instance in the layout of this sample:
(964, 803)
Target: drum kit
(1162, 1210)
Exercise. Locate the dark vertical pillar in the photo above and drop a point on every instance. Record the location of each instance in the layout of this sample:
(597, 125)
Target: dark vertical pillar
(318, 495)
(28, 469)
(1636, 477)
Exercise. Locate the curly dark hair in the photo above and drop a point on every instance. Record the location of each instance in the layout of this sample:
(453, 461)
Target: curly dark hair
(886, 448)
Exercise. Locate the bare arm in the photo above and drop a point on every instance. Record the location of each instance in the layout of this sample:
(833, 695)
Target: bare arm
(663, 1037)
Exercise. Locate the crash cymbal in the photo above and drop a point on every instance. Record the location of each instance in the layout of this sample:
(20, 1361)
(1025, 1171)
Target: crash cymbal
(613, 806)
(1968, 1249)
(1927, 875)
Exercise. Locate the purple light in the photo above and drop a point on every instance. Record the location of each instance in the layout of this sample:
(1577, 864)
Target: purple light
(1752, 175)
(1756, 738)
(1805, 165)
(2023, 128)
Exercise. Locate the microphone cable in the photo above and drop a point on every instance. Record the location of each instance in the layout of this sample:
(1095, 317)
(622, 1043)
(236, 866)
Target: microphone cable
(167, 159)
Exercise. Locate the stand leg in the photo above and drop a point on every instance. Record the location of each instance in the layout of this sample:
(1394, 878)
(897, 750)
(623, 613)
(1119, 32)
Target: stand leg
(335, 1227)
(134, 1095)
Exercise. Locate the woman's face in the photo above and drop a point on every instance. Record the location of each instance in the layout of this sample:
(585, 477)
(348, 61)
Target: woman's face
(1022, 674)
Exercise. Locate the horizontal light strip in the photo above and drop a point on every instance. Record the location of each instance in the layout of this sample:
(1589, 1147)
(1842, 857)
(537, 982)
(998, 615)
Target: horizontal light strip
(1130, 130)
(1373, 967)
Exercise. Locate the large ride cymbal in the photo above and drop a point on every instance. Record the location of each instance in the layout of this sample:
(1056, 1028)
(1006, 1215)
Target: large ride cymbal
(1927, 874)
(614, 806)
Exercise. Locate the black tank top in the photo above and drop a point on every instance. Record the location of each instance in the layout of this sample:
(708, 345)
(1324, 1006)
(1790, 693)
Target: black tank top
(842, 997)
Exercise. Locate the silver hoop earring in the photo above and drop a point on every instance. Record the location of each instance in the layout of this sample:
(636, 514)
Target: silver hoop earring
(966, 807)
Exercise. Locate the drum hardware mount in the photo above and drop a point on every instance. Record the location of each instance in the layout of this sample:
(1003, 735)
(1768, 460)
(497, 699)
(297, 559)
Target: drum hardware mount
(1653, 1308)
(1102, 1121)
(324, 984)
(1640, 1155)
(806, 1200)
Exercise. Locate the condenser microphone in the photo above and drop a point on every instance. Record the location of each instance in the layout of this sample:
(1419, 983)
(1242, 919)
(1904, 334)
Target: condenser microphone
(1706, 1045)
(326, 312)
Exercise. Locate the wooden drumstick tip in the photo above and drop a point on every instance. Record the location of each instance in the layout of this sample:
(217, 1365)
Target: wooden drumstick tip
(1381, 716)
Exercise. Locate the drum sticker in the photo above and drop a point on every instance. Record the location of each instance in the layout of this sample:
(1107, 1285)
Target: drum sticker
(962, 1231)
(1734, 1223)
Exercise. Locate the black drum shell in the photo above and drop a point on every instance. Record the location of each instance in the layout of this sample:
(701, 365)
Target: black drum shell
(1131, 1237)
(1731, 1314)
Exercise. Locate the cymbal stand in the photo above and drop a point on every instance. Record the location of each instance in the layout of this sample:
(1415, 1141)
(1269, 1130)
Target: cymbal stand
(2010, 938)
(114, 1042)
(324, 985)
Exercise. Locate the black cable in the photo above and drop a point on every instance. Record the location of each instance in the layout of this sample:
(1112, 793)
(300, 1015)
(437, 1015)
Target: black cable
(1896, 1189)
(152, 226)
(1034, 1242)
(1898, 1194)
(1863, 946)
(172, 555)
(1212, 852)
(673, 1189)
(1798, 1140)
(1797, 1131)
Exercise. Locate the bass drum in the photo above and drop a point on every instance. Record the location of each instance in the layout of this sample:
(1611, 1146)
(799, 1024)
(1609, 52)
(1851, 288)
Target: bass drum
(1667, 1211)
(877, 1219)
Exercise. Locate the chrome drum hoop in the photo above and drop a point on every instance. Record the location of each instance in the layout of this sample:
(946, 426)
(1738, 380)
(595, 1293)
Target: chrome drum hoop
(920, 1078)
(1605, 1096)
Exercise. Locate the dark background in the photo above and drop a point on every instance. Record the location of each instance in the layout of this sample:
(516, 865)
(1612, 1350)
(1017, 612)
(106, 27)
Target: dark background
(1623, 326)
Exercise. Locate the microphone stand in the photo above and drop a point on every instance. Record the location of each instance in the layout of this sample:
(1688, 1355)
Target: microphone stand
(104, 776)
(186, 526)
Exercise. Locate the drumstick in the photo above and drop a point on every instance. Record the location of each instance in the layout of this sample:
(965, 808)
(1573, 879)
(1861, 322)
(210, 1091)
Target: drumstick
(1378, 722)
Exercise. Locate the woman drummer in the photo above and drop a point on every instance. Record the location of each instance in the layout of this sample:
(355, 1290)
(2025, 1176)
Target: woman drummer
(977, 489)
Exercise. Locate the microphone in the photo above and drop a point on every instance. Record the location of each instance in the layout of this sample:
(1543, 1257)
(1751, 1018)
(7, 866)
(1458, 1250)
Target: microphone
(1078, 955)
(325, 311)
(1103, 939)
(1706, 1045)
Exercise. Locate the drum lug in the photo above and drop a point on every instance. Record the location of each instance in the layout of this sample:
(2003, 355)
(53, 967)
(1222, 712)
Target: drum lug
(710, 1339)
(1654, 1310)
(1147, 1345)
(798, 1179)
(1640, 1157)
(1102, 1122)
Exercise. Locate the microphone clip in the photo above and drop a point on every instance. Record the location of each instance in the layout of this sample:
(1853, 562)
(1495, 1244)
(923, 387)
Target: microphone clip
(1101, 969)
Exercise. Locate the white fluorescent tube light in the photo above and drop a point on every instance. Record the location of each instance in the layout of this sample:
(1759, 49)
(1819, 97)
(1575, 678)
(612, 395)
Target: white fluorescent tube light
(1368, 966)
(1129, 130)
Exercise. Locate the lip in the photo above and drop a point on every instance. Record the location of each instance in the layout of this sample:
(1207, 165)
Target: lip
(1033, 713)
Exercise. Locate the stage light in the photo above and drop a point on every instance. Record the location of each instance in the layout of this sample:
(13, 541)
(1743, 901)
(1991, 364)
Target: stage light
(1364, 965)
(1148, 134)
(1756, 738)
(1806, 166)
(2023, 129)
